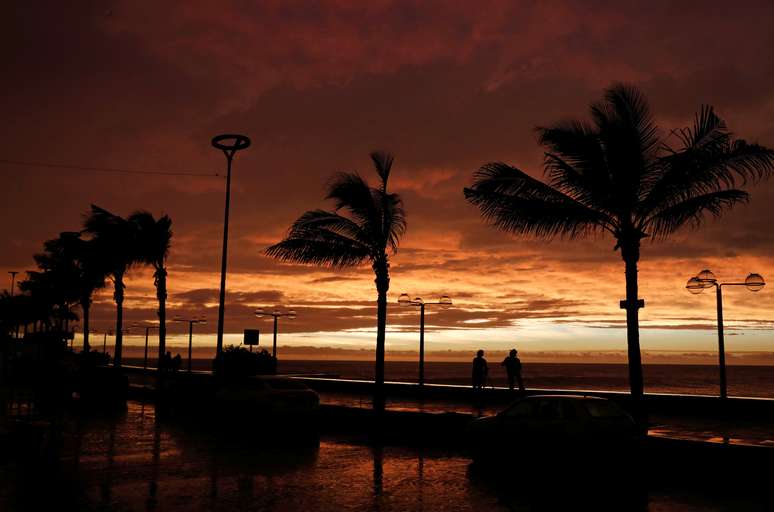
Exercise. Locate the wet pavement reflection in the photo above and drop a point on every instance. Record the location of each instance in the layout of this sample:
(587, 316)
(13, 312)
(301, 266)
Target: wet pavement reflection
(136, 461)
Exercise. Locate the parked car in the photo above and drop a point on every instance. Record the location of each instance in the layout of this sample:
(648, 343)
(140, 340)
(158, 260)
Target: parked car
(555, 429)
(267, 396)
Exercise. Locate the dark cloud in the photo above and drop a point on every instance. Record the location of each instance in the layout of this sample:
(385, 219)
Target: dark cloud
(447, 87)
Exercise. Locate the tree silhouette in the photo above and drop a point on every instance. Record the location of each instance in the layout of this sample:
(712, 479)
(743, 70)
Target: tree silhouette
(617, 175)
(153, 240)
(114, 242)
(374, 225)
(74, 265)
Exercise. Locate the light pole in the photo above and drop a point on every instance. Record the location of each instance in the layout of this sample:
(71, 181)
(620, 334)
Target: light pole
(404, 300)
(276, 314)
(706, 279)
(104, 341)
(190, 321)
(147, 331)
(229, 144)
(13, 279)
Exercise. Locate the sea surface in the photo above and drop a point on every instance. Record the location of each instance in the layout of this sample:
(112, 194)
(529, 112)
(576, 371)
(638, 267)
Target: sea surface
(744, 381)
(750, 381)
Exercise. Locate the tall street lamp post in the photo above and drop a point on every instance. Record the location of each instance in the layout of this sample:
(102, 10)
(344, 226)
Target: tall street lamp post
(191, 322)
(147, 330)
(404, 300)
(276, 314)
(706, 279)
(228, 143)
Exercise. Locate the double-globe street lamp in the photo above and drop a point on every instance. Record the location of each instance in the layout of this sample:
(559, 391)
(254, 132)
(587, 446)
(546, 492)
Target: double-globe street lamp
(706, 279)
(404, 300)
(191, 322)
(276, 314)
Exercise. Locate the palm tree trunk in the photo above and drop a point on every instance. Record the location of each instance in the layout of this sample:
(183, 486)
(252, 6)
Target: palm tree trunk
(630, 252)
(118, 295)
(161, 294)
(382, 286)
(85, 307)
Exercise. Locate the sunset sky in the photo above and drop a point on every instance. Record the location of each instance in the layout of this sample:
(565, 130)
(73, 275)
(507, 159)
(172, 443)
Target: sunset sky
(446, 87)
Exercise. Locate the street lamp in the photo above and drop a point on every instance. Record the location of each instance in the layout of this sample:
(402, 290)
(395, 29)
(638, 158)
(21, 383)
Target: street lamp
(229, 144)
(104, 341)
(147, 330)
(404, 300)
(706, 279)
(276, 314)
(190, 322)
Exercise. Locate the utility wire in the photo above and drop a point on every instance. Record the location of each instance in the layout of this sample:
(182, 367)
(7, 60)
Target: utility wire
(107, 169)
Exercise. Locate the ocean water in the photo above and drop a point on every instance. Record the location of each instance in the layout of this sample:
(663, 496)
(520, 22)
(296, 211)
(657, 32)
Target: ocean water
(751, 381)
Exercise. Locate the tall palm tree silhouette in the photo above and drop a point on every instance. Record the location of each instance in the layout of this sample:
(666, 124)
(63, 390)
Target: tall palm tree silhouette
(153, 240)
(617, 175)
(114, 240)
(374, 225)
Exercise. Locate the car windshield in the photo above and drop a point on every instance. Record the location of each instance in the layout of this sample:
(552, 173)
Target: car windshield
(604, 409)
(524, 409)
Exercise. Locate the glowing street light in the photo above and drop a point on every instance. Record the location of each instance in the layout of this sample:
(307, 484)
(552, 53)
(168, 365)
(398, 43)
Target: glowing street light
(291, 315)
(706, 279)
(404, 300)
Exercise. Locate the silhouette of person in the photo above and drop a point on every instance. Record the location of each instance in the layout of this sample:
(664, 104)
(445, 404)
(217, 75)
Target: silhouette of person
(480, 370)
(512, 365)
(167, 361)
(177, 361)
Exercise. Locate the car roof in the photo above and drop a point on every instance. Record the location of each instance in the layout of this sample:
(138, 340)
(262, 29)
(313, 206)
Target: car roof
(565, 397)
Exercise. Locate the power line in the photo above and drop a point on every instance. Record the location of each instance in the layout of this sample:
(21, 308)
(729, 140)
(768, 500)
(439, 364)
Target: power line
(107, 169)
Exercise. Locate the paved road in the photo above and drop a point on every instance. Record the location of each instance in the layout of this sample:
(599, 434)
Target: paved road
(136, 461)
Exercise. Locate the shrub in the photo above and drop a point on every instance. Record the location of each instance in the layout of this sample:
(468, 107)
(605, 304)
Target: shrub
(240, 362)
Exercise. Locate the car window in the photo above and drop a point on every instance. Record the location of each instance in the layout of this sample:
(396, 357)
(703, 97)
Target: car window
(568, 409)
(521, 410)
(604, 409)
(549, 410)
(256, 384)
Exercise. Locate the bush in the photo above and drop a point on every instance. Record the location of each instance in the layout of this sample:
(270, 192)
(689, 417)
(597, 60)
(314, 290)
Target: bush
(240, 362)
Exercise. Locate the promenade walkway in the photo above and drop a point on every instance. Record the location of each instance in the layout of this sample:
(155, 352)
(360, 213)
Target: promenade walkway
(697, 418)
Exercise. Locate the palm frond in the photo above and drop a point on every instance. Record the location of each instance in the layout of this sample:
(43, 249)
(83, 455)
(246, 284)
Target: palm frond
(691, 211)
(630, 139)
(352, 193)
(319, 247)
(708, 129)
(153, 237)
(331, 221)
(515, 202)
(575, 162)
(383, 164)
(394, 220)
(709, 167)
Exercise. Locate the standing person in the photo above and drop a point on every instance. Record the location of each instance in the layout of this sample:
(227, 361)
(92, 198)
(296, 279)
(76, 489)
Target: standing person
(480, 370)
(512, 365)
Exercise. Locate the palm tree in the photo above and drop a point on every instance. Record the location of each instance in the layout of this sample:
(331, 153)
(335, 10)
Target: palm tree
(79, 270)
(374, 225)
(153, 239)
(114, 242)
(617, 175)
